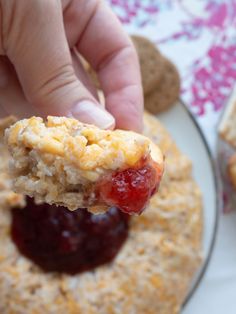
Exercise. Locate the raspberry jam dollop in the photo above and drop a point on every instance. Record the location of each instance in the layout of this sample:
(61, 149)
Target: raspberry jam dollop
(69, 242)
(130, 190)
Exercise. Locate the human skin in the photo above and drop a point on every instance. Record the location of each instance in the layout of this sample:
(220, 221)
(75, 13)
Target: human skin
(40, 73)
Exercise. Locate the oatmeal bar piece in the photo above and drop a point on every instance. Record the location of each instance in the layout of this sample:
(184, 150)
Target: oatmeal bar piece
(7, 197)
(62, 161)
(232, 170)
(226, 149)
(227, 127)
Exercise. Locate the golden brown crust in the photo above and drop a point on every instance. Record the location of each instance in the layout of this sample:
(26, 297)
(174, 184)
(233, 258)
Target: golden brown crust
(151, 62)
(150, 275)
(166, 93)
(232, 170)
(227, 127)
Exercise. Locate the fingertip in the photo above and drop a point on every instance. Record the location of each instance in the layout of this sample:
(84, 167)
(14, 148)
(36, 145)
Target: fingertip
(128, 117)
(88, 112)
(130, 123)
(126, 106)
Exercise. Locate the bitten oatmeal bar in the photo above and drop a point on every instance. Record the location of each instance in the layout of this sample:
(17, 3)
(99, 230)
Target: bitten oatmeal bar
(62, 161)
(227, 127)
(232, 170)
(226, 151)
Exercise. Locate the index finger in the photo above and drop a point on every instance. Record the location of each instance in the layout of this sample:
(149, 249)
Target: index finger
(111, 53)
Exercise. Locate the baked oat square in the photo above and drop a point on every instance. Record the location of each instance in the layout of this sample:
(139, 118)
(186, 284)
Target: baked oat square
(62, 161)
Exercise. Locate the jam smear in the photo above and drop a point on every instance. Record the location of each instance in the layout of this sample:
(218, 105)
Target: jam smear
(131, 189)
(69, 242)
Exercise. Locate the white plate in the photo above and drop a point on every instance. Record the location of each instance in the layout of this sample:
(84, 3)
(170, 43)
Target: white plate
(189, 138)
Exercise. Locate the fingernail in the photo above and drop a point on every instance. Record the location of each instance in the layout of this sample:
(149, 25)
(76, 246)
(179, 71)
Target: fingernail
(88, 112)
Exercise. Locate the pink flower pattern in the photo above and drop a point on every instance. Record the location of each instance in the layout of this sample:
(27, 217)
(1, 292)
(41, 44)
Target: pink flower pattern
(139, 12)
(209, 78)
(214, 82)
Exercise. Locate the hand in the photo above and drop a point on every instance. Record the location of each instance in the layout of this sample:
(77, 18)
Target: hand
(41, 74)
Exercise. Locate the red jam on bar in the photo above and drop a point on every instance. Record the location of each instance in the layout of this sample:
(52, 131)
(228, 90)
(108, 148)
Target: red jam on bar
(59, 240)
(130, 190)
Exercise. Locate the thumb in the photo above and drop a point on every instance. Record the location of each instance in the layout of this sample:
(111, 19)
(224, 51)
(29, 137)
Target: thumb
(35, 42)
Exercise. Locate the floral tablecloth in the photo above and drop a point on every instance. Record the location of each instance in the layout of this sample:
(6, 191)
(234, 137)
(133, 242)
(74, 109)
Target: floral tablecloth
(199, 36)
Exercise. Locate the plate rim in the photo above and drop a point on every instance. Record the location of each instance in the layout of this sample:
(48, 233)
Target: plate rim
(218, 206)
